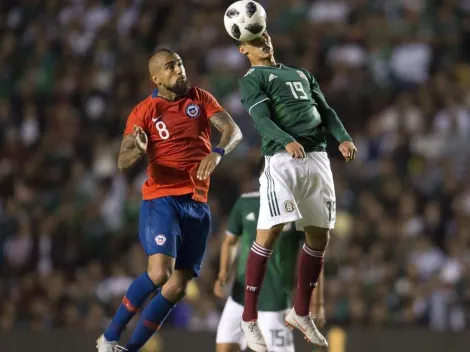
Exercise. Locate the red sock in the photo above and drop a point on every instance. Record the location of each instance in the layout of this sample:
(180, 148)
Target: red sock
(308, 271)
(255, 270)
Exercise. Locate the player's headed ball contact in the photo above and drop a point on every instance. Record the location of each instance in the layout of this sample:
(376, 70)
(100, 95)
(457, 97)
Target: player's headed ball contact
(245, 20)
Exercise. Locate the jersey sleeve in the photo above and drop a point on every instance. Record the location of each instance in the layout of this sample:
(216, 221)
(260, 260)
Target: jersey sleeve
(235, 220)
(136, 117)
(251, 92)
(255, 101)
(210, 104)
(328, 116)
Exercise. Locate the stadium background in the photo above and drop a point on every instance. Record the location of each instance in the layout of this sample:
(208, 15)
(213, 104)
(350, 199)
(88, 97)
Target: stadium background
(398, 74)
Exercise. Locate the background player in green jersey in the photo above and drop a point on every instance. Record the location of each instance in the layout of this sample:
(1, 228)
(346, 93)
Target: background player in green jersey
(292, 117)
(275, 296)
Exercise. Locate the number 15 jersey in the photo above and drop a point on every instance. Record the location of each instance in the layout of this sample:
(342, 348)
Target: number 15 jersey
(178, 139)
(296, 105)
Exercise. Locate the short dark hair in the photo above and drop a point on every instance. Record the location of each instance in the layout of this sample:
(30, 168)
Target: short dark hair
(160, 49)
(237, 42)
(155, 54)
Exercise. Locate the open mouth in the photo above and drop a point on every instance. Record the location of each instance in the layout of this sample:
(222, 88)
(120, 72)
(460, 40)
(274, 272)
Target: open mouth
(266, 49)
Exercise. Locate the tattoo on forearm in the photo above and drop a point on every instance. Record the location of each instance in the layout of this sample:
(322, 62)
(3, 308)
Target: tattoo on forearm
(129, 154)
(231, 134)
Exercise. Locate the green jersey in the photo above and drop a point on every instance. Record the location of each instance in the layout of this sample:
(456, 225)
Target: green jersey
(277, 287)
(286, 105)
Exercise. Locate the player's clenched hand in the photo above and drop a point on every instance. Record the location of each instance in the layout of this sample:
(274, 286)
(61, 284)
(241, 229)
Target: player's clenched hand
(140, 138)
(296, 150)
(319, 315)
(208, 165)
(220, 284)
(348, 149)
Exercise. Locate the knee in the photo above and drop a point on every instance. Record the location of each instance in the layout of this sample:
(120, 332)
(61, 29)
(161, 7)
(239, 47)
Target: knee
(159, 276)
(175, 291)
(267, 238)
(317, 237)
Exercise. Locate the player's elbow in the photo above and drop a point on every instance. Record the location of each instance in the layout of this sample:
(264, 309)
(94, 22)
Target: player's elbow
(121, 168)
(122, 165)
(237, 134)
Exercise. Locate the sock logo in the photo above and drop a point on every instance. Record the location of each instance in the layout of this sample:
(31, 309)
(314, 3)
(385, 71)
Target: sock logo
(251, 288)
(128, 305)
(160, 239)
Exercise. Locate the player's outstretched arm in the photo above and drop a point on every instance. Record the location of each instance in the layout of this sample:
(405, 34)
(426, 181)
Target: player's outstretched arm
(333, 124)
(227, 260)
(329, 117)
(133, 147)
(231, 136)
(267, 128)
(231, 133)
(255, 100)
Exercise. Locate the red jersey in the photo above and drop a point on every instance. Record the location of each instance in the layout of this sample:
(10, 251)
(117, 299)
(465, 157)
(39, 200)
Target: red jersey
(178, 139)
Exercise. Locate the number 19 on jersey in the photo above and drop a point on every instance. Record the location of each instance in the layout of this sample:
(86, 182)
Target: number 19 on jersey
(297, 90)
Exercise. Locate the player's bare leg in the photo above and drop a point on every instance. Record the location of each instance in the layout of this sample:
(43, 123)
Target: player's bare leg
(175, 289)
(309, 269)
(228, 347)
(159, 270)
(255, 270)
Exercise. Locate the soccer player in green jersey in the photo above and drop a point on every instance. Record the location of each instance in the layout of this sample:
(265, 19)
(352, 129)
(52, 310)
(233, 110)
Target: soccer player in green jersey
(291, 115)
(275, 296)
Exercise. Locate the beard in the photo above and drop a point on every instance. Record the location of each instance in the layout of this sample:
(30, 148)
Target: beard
(181, 87)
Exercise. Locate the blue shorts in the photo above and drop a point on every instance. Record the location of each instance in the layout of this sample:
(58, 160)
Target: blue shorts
(177, 226)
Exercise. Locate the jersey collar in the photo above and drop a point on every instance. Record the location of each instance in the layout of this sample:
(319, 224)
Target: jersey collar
(155, 95)
(279, 65)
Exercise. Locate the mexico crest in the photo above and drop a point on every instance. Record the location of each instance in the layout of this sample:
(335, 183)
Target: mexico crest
(289, 206)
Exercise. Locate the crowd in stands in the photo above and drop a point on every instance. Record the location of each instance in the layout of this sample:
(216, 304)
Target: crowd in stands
(396, 72)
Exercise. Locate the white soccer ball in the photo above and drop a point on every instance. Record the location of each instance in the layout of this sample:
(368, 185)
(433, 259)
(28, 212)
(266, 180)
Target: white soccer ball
(245, 20)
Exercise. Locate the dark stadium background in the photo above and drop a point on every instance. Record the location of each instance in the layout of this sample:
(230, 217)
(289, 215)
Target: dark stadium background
(398, 74)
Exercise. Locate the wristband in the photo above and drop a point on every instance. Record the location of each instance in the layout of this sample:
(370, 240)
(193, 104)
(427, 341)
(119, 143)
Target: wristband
(220, 151)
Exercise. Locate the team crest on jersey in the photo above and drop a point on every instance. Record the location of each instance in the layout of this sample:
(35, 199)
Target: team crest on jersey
(160, 239)
(289, 206)
(193, 111)
(302, 75)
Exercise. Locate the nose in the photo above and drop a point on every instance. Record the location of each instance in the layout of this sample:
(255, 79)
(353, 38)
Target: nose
(179, 70)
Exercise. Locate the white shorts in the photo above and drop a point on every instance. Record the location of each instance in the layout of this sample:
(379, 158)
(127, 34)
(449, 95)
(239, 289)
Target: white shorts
(278, 337)
(300, 190)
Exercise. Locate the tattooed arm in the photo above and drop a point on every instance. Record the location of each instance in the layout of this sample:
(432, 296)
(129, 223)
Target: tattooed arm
(231, 134)
(133, 147)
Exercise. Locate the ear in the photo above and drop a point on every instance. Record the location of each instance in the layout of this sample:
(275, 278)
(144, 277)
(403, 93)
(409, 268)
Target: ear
(153, 78)
(242, 49)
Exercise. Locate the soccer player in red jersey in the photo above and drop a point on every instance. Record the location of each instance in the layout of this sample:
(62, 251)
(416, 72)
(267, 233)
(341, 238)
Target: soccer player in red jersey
(172, 126)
